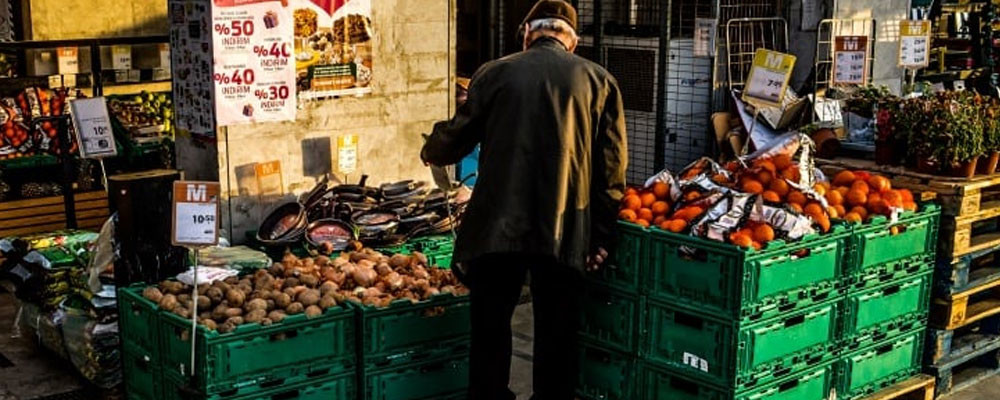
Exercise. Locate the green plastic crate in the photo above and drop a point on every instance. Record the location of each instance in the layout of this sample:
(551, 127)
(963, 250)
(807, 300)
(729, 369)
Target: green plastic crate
(437, 248)
(812, 384)
(889, 272)
(739, 283)
(139, 320)
(873, 244)
(404, 331)
(890, 309)
(606, 374)
(732, 354)
(302, 387)
(429, 380)
(253, 354)
(869, 370)
(611, 317)
(624, 271)
(143, 377)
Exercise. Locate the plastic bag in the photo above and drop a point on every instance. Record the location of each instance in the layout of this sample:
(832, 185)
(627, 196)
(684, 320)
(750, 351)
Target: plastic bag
(93, 347)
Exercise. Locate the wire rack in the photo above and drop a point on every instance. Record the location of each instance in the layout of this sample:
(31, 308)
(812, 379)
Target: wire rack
(729, 10)
(744, 36)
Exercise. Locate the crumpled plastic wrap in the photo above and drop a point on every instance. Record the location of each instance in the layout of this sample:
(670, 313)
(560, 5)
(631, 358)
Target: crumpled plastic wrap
(731, 215)
(93, 347)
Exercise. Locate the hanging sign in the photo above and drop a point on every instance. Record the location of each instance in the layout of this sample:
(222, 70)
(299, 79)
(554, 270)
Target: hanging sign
(195, 213)
(704, 37)
(914, 44)
(254, 72)
(269, 177)
(93, 128)
(850, 60)
(347, 153)
(768, 78)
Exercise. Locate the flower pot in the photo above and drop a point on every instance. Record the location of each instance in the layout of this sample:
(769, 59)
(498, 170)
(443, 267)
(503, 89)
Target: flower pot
(987, 163)
(827, 144)
(927, 166)
(885, 152)
(964, 169)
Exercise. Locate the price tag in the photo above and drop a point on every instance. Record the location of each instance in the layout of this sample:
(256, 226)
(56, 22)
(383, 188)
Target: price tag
(269, 177)
(768, 78)
(850, 60)
(121, 57)
(93, 128)
(164, 56)
(69, 81)
(347, 153)
(69, 61)
(195, 213)
(55, 81)
(704, 37)
(914, 44)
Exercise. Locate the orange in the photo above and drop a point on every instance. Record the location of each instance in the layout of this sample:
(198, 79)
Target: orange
(857, 198)
(860, 185)
(631, 190)
(647, 199)
(782, 161)
(843, 178)
(779, 186)
(742, 240)
(840, 209)
(879, 183)
(660, 208)
(819, 189)
(746, 231)
(874, 197)
(909, 206)
(677, 225)
(763, 233)
(825, 185)
(643, 223)
(757, 245)
(752, 186)
(795, 207)
(832, 212)
(627, 215)
(661, 190)
(834, 198)
(843, 191)
(823, 221)
(632, 202)
(810, 209)
(771, 196)
(791, 173)
(893, 198)
(692, 195)
(878, 206)
(765, 177)
(852, 217)
(767, 165)
(797, 197)
(659, 220)
(720, 179)
(646, 214)
(907, 194)
(861, 211)
(862, 175)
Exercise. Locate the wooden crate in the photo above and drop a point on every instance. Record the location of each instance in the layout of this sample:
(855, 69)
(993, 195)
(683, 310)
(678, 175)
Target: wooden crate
(966, 307)
(920, 387)
(22, 217)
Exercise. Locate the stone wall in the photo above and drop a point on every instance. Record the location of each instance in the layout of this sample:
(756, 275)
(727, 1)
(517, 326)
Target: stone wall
(81, 19)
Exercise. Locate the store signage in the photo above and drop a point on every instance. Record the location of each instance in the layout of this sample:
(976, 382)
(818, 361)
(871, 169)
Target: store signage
(195, 213)
(768, 78)
(704, 37)
(69, 61)
(121, 57)
(269, 179)
(93, 128)
(347, 153)
(850, 60)
(254, 68)
(334, 43)
(164, 56)
(914, 44)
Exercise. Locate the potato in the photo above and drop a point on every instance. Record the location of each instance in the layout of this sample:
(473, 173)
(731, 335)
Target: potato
(226, 327)
(309, 297)
(172, 287)
(152, 294)
(364, 276)
(260, 294)
(294, 308)
(328, 288)
(205, 315)
(232, 280)
(209, 324)
(235, 321)
(420, 272)
(430, 291)
(235, 298)
(282, 300)
(215, 294)
(399, 261)
(383, 269)
(291, 282)
(169, 302)
(256, 305)
(183, 298)
(290, 291)
(322, 261)
(276, 315)
(277, 269)
(233, 312)
(421, 258)
(309, 280)
(255, 316)
(327, 302)
(313, 311)
(270, 305)
(182, 312)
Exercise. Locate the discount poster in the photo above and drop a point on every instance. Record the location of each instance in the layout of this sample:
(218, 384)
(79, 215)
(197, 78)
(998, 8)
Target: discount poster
(333, 47)
(254, 68)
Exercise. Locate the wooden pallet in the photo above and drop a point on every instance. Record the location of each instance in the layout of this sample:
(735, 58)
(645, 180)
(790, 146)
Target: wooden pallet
(944, 346)
(22, 217)
(920, 387)
(961, 273)
(964, 308)
(959, 236)
(966, 371)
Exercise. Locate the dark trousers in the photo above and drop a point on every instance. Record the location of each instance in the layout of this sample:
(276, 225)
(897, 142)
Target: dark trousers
(495, 282)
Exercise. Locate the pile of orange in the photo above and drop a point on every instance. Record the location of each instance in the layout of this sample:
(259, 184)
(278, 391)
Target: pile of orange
(859, 195)
(769, 178)
(646, 207)
(754, 234)
(681, 219)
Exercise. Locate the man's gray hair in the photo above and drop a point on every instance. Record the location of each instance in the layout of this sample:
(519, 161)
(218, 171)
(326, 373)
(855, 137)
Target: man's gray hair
(554, 25)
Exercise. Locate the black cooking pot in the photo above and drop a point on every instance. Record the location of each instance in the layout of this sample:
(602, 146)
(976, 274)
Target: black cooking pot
(334, 231)
(284, 225)
(375, 224)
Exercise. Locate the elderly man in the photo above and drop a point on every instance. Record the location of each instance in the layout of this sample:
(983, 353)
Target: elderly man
(551, 174)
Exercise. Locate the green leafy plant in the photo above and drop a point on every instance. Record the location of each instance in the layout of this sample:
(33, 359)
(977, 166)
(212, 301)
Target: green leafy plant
(990, 117)
(957, 127)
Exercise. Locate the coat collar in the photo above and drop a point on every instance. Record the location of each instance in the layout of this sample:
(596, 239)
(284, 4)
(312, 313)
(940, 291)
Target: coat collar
(548, 42)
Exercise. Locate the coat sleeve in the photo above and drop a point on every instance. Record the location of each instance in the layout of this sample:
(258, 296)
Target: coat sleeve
(452, 140)
(610, 158)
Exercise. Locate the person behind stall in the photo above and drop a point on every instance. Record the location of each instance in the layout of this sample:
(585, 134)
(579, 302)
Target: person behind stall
(551, 174)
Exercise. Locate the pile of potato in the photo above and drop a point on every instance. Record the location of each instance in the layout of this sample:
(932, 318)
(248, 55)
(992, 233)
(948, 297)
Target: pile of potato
(307, 285)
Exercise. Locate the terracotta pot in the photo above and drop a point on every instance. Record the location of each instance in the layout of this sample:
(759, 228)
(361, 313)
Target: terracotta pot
(987, 163)
(827, 144)
(964, 170)
(926, 166)
(885, 152)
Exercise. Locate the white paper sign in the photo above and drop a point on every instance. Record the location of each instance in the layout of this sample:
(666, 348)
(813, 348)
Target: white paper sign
(768, 78)
(121, 57)
(347, 153)
(704, 37)
(69, 61)
(93, 128)
(195, 213)
(914, 44)
(850, 60)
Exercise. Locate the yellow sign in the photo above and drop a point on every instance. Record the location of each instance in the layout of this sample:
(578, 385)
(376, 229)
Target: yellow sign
(768, 78)
(347, 153)
(269, 177)
(914, 44)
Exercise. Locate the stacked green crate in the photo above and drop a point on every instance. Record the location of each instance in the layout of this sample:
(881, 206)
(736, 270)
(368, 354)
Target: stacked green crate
(884, 314)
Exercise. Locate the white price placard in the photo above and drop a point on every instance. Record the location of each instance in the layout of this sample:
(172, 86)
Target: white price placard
(68, 59)
(704, 37)
(93, 128)
(195, 213)
(914, 44)
(768, 78)
(850, 60)
(347, 153)
(121, 57)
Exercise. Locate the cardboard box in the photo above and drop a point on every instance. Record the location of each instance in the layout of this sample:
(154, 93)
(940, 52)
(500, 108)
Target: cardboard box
(41, 62)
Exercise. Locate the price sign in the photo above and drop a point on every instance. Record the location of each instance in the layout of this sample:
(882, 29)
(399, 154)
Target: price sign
(850, 60)
(93, 128)
(69, 61)
(768, 78)
(195, 213)
(121, 57)
(704, 37)
(347, 153)
(914, 44)
(269, 177)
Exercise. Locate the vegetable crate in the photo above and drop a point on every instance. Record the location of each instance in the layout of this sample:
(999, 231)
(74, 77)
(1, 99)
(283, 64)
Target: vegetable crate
(407, 332)
(971, 270)
(736, 283)
(254, 355)
(606, 374)
(612, 317)
(434, 379)
(660, 384)
(312, 387)
(627, 268)
(139, 320)
(886, 311)
(143, 377)
(437, 248)
(740, 355)
(879, 366)
(880, 242)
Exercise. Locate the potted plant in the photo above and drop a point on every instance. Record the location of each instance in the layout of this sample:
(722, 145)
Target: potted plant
(913, 123)
(959, 130)
(889, 138)
(990, 117)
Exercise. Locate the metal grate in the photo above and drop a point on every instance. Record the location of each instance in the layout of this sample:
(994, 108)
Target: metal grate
(827, 33)
(744, 36)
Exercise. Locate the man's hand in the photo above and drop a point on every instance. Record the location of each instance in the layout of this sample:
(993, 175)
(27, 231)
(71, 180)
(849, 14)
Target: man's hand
(595, 260)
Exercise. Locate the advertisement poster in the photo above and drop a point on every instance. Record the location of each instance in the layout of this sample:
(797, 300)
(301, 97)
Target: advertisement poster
(191, 63)
(254, 72)
(333, 47)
